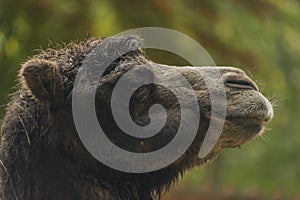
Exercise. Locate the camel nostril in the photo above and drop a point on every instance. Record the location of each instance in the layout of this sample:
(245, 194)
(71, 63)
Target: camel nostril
(241, 83)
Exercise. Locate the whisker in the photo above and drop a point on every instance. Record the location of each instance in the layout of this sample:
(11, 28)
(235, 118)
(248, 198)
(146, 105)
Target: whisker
(264, 137)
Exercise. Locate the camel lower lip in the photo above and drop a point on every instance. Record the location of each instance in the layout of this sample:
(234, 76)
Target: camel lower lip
(250, 125)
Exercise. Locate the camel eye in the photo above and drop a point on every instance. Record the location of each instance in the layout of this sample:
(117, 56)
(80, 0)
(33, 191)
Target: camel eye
(241, 84)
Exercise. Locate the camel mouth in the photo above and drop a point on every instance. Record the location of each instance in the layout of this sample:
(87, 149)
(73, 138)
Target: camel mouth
(261, 115)
(255, 123)
(262, 119)
(257, 110)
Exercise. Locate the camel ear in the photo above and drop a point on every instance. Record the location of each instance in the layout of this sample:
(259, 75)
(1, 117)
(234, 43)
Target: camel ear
(42, 78)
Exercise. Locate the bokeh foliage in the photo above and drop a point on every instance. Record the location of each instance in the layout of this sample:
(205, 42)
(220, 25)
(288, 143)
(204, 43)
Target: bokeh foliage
(259, 36)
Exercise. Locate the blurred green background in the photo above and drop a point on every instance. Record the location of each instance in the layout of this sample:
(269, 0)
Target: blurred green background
(260, 36)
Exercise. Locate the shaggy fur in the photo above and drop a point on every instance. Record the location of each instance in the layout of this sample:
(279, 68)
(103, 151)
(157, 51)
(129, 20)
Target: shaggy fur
(42, 157)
